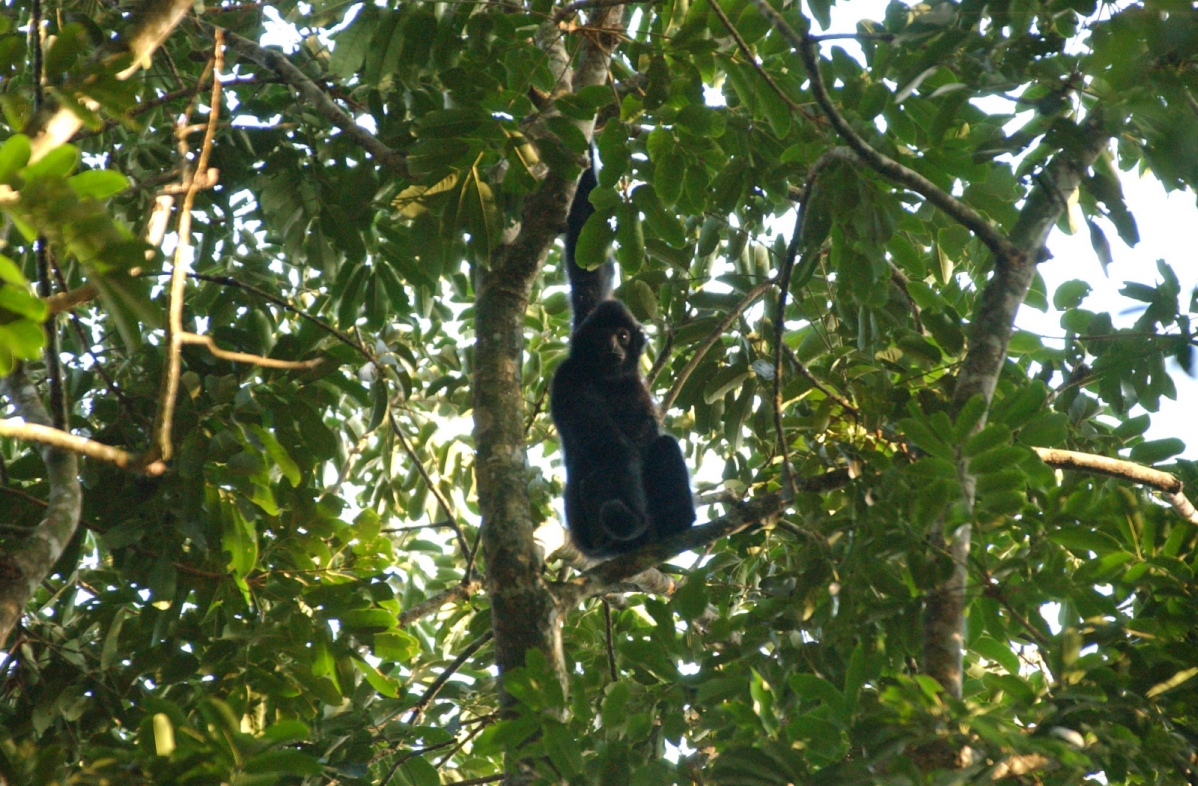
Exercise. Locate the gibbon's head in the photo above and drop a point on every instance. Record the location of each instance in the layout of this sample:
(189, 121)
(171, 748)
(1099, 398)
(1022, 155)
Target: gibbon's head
(610, 340)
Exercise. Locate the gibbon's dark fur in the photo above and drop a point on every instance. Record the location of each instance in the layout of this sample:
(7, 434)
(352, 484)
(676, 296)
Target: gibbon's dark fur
(626, 482)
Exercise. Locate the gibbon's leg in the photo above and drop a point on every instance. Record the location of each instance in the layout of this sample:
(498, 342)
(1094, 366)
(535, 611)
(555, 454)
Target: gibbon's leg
(668, 488)
(614, 492)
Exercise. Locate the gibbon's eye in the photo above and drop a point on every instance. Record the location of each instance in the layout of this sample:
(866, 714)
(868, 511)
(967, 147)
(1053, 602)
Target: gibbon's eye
(623, 336)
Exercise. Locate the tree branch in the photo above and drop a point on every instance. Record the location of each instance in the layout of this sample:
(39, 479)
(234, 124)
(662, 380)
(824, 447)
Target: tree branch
(431, 692)
(749, 56)
(622, 568)
(64, 440)
(434, 604)
(164, 418)
(994, 317)
(523, 614)
(993, 325)
(316, 99)
(615, 572)
(245, 357)
(25, 563)
(1169, 485)
(998, 243)
(711, 340)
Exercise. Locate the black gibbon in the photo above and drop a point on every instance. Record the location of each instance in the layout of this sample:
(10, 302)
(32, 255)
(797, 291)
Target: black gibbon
(626, 482)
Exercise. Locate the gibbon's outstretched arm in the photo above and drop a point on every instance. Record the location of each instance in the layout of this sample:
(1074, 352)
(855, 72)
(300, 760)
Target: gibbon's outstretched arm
(588, 288)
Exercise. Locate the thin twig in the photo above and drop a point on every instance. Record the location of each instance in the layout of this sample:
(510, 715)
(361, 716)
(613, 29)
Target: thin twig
(611, 650)
(182, 266)
(478, 781)
(900, 280)
(416, 527)
(316, 99)
(711, 339)
(818, 385)
(344, 338)
(245, 357)
(570, 9)
(446, 508)
(792, 251)
(431, 692)
(32, 500)
(424, 608)
(663, 357)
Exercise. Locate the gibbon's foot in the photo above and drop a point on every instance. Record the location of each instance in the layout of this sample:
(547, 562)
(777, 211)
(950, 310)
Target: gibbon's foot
(620, 522)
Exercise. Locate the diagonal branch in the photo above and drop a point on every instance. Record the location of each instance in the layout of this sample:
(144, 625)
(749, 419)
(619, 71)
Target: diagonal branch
(711, 340)
(996, 241)
(316, 99)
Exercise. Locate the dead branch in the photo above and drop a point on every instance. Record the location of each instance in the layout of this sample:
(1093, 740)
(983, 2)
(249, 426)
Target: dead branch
(64, 440)
(164, 418)
(1169, 485)
(245, 357)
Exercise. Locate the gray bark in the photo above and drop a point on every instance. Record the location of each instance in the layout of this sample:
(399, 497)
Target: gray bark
(26, 561)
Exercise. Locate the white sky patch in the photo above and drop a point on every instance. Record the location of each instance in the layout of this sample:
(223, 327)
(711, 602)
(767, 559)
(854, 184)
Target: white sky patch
(280, 32)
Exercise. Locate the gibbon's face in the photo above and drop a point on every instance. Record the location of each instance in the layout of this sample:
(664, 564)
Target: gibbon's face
(610, 339)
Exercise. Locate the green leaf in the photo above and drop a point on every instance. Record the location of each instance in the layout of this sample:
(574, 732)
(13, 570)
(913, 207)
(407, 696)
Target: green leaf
(14, 155)
(997, 652)
(112, 640)
(1081, 541)
(661, 222)
(997, 459)
(286, 761)
(59, 162)
(990, 437)
(1157, 450)
(561, 747)
(594, 241)
(669, 175)
(352, 44)
(240, 541)
(98, 183)
(368, 618)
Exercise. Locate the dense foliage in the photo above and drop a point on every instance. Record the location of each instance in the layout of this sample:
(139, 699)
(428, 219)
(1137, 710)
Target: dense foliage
(241, 618)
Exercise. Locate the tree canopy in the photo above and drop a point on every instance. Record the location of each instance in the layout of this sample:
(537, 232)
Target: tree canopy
(280, 497)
